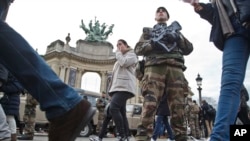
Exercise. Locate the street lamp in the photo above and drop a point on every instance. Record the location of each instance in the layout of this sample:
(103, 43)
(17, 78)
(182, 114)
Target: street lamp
(199, 82)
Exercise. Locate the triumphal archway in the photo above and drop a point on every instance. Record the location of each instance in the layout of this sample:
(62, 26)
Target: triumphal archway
(93, 54)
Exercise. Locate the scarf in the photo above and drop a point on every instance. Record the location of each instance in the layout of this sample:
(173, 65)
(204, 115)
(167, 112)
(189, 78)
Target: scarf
(226, 25)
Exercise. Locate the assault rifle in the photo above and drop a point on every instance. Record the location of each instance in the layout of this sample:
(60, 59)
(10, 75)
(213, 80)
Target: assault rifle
(163, 36)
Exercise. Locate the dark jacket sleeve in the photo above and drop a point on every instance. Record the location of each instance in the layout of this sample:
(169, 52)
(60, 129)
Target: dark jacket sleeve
(12, 85)
(3, 74)
(207, 13)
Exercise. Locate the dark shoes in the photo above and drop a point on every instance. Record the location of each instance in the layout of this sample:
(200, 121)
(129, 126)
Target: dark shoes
(95, 138)
(25, 137)
(68, 126)
(6, 139)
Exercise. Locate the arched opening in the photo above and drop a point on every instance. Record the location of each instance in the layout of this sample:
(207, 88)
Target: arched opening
(91, 81)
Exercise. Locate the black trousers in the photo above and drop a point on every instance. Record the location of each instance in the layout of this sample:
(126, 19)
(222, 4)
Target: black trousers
(118, 112)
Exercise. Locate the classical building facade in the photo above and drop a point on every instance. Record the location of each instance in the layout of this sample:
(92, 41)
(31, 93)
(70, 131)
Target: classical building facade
(71, 63)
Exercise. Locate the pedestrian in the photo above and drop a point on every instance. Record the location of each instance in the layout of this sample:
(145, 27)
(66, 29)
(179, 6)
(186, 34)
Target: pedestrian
(162, 48)
(65, 109)
(29, 118)
(208, 118)
(244, 108)
(230, 21)
(100, 105)
(11, 102)
(5, 133)
(103, 130)
(162, 119)
(122, 87)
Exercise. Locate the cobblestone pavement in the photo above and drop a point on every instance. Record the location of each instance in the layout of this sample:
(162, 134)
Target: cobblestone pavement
(43, 137)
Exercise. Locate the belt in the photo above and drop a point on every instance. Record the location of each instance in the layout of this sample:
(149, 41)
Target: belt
(246, 24)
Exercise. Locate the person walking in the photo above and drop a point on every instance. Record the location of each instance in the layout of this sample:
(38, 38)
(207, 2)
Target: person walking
(65, 109)
(244, 108)
(163, 48)
(162, 119)
(122, 86)
(5, 134)
(29, 118)
(207, 117)
(11, 101)
(103, 130)
(230, 21)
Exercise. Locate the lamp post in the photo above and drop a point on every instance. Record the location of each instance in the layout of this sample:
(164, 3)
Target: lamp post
(199, 82)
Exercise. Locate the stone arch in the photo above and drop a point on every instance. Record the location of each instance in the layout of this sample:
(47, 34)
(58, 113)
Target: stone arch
(71, 63)
(91, 81)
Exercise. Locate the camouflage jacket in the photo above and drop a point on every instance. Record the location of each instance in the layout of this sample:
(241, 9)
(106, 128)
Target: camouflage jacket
(155, 56)
(101, 103)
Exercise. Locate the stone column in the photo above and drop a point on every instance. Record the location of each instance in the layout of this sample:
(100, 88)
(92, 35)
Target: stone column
(79, 77)
(103, 81)
(62, 72)
(55, 68)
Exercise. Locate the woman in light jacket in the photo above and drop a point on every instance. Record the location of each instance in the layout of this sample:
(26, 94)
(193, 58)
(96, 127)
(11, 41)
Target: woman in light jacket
(122, 86)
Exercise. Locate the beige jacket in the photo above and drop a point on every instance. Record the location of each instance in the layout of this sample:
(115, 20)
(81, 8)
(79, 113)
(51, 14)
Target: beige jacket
(123, 75)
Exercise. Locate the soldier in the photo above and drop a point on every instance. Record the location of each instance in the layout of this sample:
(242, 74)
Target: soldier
(29, 118)
(192, 111)
(100, 105)
(163, 48)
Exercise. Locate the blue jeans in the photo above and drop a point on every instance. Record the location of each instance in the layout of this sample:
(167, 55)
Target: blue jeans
(160, 121)
(54, 96)
(235, 56)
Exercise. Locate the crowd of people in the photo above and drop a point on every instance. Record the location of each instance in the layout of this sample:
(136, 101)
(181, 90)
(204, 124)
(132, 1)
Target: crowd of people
(161, 77)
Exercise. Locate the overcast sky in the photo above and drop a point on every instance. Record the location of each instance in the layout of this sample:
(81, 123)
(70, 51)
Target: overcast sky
(44, 21)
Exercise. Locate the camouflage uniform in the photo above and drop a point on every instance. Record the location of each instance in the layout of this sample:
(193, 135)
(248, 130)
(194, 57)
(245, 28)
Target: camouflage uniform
(192, 114)
(100, 105)
(163, 73)
(30, 115)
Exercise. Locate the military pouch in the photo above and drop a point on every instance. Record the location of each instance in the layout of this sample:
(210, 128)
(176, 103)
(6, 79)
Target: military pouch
(139, 71)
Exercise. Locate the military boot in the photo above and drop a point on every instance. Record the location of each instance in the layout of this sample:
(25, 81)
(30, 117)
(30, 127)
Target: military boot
(26, 137)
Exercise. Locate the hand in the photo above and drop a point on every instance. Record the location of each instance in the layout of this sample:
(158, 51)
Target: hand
(171, 38)
(197, 6)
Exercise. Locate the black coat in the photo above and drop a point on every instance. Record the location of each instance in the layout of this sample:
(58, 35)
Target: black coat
(210, 13)
(11, 99)
(163, 108)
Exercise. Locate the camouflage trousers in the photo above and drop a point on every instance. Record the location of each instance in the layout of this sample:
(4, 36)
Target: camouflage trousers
(194, 125)
(100, 121)
(30, 115)
(156, 81)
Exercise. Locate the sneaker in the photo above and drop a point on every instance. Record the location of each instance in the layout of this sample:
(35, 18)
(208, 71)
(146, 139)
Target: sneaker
(26, 137)
(152, 139)
(208, 139)
(68, 126)
(170, 140)
(119, 138)
(95, 138)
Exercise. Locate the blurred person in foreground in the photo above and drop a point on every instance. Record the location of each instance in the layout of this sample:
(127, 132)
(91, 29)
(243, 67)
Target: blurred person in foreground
(230, 33)
(163, 48)
(65, 109)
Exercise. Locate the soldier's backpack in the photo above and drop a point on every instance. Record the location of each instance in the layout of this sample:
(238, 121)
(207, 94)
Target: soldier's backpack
(211, 111)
